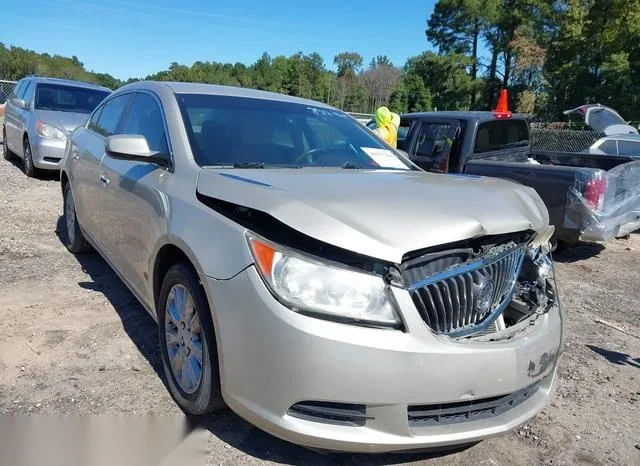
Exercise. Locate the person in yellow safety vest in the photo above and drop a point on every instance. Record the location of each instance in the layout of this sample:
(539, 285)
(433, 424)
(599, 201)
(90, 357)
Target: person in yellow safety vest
(395, 119)
(385, 127)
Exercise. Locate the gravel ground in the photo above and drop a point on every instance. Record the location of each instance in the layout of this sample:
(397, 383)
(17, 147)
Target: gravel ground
(73, 340)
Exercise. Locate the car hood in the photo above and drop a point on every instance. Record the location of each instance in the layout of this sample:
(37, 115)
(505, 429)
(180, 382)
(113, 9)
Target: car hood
(381, 214)
(67, 121)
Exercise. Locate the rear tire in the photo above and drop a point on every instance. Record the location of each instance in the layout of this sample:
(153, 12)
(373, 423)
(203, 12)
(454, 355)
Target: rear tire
(188, 334)
(75, 240)
(29, 168)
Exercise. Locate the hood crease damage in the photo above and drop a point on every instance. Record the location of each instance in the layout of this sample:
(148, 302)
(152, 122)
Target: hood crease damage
(341, 208)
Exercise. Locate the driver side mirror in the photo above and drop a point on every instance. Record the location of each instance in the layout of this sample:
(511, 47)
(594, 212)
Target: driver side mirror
(133, 147)
(3, 97)
(20, 103)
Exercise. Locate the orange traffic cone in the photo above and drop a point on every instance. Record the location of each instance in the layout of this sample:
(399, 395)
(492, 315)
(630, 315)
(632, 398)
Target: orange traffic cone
(502, 110)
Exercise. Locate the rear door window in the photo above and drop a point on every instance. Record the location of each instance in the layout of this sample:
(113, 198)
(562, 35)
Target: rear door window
(111, 115)
(629, 148)
(498, 135)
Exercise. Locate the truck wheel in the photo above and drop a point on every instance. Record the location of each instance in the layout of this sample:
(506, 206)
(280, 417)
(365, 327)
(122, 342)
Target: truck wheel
(76, 242)
(187, 343)
(29, 168)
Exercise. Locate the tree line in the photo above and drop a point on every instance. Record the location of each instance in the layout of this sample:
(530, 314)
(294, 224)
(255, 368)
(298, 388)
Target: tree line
(551, 54)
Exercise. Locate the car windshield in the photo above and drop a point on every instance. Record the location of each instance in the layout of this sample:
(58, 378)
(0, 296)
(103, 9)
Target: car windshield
(68, 98)
(261, 133)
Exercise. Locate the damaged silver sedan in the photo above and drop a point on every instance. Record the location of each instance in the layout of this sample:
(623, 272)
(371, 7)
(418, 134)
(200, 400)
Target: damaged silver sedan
(310, 277)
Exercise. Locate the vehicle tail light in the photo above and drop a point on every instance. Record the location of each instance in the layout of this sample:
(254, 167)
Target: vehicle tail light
(595, 191)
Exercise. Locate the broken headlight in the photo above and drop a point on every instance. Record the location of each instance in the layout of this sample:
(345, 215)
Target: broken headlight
(312, 285)
(537, 278)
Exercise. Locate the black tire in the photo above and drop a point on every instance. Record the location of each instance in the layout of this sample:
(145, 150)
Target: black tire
(207, 397)
(6, 153)
(29, 168)
(74, 239)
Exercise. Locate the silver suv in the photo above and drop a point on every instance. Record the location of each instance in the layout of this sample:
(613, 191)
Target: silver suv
(310, 277)
(39, 115)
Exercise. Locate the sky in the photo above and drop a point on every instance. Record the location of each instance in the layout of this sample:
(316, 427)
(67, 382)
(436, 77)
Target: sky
(139, 37)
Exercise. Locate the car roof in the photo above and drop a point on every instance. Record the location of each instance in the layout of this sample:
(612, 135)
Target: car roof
(68, 82)
(215, 89)
(622, 137)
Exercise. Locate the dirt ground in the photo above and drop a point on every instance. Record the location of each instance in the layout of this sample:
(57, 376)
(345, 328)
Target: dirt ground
(73, 340)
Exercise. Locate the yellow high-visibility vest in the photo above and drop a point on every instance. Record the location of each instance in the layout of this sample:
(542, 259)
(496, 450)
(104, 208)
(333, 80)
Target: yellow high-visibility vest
(390, 134)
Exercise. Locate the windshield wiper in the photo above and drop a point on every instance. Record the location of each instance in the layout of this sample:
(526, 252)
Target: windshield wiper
(351, 166)
(248, 165)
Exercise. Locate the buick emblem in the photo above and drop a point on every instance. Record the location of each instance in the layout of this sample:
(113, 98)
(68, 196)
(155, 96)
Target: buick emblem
(483, 302)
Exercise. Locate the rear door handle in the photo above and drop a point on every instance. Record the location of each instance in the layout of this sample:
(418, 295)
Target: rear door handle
(105, 180)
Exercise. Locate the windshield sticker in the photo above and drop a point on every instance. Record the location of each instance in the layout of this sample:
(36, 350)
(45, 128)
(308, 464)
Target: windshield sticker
(385, 158)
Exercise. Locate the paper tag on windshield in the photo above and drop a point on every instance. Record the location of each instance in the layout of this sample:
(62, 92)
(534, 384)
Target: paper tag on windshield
(385, 158)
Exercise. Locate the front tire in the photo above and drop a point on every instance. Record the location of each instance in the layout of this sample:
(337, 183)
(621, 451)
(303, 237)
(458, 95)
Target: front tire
(6, 153)
(29, 168)
(187, 343)
(75, 241)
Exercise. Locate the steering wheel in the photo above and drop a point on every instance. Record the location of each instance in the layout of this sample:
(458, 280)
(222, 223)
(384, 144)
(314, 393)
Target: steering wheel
(309, 156)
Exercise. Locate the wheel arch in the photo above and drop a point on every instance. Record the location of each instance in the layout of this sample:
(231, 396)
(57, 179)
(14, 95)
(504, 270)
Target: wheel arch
(168, 253)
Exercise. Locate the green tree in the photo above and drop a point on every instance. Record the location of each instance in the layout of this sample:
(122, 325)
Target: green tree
(458, 27)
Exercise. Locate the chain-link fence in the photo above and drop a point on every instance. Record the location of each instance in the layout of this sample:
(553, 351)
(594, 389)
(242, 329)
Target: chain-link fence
(6, 86)
(564, 140)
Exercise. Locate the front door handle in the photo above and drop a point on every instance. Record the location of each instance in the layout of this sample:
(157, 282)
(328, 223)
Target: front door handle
(105, 180)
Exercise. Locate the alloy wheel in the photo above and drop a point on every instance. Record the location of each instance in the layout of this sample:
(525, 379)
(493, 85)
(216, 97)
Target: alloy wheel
(184, 339)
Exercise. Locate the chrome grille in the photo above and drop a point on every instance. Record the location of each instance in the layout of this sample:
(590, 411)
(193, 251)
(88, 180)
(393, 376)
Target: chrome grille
(469, 297)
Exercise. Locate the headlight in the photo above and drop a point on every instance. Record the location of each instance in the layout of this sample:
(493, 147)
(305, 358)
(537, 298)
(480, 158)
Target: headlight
(48, 131)
(309, 285)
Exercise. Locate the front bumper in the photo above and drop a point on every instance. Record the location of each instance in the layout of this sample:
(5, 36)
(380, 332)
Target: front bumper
(272, 358)
(48, 154)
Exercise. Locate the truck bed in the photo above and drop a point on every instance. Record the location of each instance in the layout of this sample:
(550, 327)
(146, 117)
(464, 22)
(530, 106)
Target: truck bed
(562, 179)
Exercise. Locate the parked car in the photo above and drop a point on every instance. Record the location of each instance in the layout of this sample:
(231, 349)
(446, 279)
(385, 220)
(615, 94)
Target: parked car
(40, 114)
(589, 196)
(620, 137)
(320, 284)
